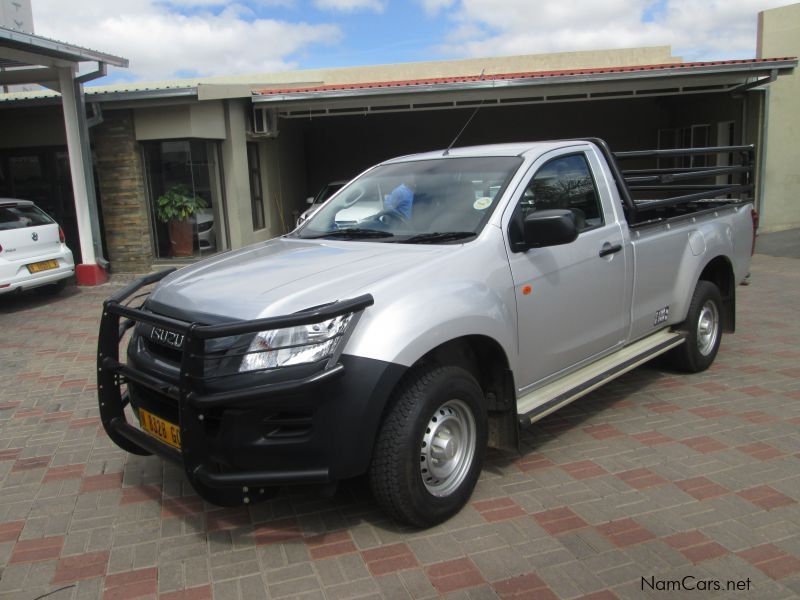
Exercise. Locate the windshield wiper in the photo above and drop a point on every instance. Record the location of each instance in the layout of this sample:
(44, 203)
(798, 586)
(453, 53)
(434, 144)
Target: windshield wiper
(353, 232)
(439, 236)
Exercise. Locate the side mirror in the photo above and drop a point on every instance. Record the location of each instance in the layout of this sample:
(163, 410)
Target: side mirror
(310, 200)
(549, 228)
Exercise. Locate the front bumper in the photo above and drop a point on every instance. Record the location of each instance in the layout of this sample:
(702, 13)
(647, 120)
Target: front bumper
(236, 442)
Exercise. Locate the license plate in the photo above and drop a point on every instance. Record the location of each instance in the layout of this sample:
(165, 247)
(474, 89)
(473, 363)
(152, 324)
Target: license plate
(160, 429)
(44, 265)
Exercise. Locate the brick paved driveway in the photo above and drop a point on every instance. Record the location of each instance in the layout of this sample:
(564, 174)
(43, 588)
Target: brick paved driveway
(657, 475)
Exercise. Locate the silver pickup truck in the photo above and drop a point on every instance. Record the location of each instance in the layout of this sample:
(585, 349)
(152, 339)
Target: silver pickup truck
(489, 287)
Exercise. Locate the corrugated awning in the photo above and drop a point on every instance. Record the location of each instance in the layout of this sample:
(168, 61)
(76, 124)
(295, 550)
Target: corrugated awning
(522, 88)
(594, 73)
(26, 58)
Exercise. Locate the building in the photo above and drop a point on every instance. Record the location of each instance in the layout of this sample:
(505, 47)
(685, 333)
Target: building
(779, 31)
(16, 15)
(254, 147)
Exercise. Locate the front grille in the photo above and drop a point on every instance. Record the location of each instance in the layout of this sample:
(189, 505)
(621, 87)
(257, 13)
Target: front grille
(165, 353)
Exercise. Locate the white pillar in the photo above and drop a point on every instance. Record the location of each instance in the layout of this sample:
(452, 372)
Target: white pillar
(77, 162)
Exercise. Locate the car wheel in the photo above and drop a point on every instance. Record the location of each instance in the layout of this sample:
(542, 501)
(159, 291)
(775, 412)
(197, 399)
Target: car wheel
(430, 448)
(703, 325)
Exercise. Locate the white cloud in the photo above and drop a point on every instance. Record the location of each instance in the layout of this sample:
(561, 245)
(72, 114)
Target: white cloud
(433, 7)
(162, 43)
(696, 30)
(351, 5)
(196, 3)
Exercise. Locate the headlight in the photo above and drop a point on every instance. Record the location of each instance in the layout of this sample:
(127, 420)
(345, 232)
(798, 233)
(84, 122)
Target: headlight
(295, 345)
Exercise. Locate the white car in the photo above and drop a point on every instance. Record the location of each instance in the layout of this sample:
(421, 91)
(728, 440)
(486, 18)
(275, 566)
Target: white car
(206, 238)
(32, 248)
(317, 201)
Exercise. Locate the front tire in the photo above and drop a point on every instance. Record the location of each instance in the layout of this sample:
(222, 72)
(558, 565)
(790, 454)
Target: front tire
(430, 448)
(703, 325)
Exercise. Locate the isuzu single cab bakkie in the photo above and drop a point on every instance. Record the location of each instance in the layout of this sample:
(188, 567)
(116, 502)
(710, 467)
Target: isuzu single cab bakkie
(488, 287)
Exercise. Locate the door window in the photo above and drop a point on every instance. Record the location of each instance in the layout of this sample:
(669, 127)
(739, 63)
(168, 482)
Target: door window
(566, 183)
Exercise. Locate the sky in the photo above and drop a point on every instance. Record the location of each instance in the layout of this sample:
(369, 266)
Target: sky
(167, 39)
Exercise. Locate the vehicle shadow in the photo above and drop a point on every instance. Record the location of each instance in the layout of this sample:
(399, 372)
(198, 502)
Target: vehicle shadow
(298, 513)
(36, 298)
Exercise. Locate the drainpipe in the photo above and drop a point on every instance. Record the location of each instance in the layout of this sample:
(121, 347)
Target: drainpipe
(88, 165)
(96, 117)
(94, 266)
(762, 150)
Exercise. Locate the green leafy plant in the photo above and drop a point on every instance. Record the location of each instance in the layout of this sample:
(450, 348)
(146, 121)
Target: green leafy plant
(178, 203)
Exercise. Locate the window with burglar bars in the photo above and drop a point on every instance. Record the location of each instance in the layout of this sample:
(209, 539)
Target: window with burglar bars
(693, 136)
(256, 197)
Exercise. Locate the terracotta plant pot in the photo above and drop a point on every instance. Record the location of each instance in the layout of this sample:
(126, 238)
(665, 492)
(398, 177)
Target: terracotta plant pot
(180, 237)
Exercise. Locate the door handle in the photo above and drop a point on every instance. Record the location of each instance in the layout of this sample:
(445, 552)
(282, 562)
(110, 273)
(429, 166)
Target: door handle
(609, 249)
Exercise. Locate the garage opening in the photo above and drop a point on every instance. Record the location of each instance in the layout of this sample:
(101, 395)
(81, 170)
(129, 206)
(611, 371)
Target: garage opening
(328, 149)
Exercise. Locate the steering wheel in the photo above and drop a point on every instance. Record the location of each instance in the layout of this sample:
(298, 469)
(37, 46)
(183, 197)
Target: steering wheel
(388, 214)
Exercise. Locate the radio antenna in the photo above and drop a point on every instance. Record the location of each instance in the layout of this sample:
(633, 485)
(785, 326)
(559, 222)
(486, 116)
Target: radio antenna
(472, 116)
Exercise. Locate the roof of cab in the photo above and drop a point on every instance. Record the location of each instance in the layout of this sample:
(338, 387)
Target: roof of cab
(513, 149)
(7, 201)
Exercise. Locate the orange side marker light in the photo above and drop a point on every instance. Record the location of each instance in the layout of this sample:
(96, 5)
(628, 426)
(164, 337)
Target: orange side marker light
(526, 289)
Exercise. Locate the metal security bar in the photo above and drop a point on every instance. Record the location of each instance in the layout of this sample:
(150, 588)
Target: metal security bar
(190, 389)
(644, 188)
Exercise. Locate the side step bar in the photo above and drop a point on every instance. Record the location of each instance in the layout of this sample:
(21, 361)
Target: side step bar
(541, 402)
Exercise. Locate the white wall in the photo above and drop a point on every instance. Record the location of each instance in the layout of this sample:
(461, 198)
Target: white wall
(779, 35)
(202, 120)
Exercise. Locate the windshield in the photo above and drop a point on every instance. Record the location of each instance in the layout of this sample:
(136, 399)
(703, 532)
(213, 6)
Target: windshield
(23, 215)
(424, 201)
(326, 192)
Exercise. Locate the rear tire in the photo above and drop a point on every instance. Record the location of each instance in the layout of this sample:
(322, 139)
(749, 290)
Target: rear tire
(430, 448)
(703, 325)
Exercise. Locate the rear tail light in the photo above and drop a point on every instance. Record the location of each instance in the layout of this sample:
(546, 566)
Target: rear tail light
(754, 217)
(61, 237)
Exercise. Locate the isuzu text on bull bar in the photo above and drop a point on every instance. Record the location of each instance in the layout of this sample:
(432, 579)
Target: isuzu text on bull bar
(478, 290)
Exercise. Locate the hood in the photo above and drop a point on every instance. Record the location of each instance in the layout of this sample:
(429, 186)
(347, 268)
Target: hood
(283, 276)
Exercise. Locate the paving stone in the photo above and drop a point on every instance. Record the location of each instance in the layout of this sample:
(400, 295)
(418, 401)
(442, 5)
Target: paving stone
(389, 559)
(132, 584)
(82, 566)
(417, 584)
(293, 587)
(436, 548)
(560, 520)
(252, 587)
(502, 563)
(391, 586)
(453, 575)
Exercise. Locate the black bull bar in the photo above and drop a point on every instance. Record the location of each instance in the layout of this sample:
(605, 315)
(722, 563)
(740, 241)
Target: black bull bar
(191, 394)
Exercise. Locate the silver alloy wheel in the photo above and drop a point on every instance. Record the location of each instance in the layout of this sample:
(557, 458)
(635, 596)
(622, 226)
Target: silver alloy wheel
(707, 328)
(448, 448)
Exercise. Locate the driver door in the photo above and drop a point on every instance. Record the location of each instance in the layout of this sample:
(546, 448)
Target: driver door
(570, 298)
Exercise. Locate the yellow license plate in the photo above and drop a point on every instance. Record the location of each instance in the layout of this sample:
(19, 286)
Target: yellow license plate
(161, 429)
(44, 265)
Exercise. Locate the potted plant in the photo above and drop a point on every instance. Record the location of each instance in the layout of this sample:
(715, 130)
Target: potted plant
(175, 208)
